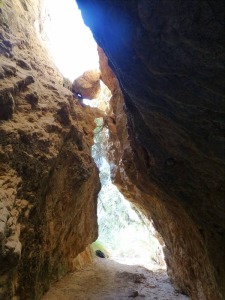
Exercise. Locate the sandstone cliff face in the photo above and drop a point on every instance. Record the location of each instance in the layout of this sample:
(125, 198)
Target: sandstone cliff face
(48, 180)
(170, 145)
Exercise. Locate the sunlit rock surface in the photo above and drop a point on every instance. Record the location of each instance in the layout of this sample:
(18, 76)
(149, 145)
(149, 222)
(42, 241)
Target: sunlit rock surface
(87, 85)
(48, 180)
(169, 60)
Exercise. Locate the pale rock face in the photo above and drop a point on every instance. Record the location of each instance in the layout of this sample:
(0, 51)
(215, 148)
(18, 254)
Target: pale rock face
(87, 85)
(48, 180)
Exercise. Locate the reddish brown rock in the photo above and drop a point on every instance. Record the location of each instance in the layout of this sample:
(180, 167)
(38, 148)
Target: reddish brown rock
(48, 179)
(168, 129)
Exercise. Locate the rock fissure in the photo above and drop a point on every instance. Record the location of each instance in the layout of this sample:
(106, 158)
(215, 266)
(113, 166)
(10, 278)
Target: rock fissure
(164, 67)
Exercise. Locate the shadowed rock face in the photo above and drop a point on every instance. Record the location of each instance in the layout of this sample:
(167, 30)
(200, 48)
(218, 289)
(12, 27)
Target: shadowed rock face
(169, 60)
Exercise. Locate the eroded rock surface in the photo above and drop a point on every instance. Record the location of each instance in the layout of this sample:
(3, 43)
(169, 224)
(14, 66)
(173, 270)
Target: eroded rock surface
(169, 133)
(87, 85)
(48, 180)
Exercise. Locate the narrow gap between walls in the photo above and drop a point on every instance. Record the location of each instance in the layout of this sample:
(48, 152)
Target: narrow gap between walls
(125, 234)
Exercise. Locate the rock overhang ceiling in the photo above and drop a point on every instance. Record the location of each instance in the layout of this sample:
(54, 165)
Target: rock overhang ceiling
(169, 60)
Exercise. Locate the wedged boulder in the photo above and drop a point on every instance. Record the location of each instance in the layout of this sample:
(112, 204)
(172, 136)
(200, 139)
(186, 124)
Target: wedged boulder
(87, 85)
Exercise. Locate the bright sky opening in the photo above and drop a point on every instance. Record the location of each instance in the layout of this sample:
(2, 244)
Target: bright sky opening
(71, 43)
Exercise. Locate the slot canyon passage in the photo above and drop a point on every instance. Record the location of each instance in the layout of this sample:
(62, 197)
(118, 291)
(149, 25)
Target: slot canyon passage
(163, 62)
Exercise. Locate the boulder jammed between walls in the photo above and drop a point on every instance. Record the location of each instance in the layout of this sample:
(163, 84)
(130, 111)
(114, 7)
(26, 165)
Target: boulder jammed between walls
(167, 125)
(48, 180)
(87, 85)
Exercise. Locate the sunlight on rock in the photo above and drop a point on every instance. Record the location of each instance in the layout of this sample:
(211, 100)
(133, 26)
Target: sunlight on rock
(102, 102)
(122, 230)
(159, 138)
(124, 233)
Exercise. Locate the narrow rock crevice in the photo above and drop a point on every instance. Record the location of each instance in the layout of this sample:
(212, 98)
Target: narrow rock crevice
(164, 66)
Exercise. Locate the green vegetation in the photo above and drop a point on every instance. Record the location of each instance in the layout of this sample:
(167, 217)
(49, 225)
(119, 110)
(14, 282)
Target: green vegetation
(122, 230)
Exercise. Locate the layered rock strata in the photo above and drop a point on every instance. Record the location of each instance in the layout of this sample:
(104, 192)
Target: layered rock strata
(169, 60)
(48, 180)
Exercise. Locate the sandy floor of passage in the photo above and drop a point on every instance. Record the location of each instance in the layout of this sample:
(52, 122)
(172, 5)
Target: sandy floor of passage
(106, 279)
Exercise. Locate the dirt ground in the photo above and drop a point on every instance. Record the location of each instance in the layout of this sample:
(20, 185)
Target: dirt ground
(106, 279)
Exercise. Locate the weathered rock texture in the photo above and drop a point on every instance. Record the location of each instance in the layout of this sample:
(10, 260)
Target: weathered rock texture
(169, 60)
(87, 85)
(48, 180)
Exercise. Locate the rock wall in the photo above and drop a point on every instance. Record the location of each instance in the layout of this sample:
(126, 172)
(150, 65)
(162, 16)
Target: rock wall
(48, 180)
(168, 132)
